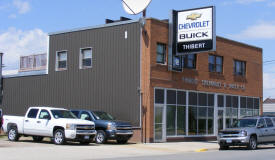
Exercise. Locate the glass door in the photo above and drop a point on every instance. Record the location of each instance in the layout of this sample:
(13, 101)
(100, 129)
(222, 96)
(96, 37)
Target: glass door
(160, 130)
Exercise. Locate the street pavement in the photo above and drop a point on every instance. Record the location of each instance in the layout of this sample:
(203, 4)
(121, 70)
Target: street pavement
(26, 149)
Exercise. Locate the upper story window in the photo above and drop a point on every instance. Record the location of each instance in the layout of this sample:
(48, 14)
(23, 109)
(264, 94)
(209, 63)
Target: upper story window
(86, 58)
(161, 53)
(189, 61)
(215, 63)
(239, 68)
(33, 62)
(61, 60)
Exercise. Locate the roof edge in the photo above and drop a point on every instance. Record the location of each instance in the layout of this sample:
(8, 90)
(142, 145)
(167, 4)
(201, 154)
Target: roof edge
(93, 27)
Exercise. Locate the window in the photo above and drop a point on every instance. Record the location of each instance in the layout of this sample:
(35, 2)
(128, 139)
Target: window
(239, 68)
(75, 113)
(161, 53)
(44, 114)
(269, 122)
(159, 96)
(215, 63)
(189, 61)
(61, 60)
(86, 58)
(32, 113)
(261, 122)
(85, 116)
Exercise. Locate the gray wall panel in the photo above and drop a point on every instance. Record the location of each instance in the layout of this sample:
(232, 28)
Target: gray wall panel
(110, 85)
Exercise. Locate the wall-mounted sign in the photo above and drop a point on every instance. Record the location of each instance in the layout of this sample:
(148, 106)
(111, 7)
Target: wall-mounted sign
(194, 30)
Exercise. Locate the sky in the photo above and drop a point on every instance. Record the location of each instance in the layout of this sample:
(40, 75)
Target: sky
(25, 24)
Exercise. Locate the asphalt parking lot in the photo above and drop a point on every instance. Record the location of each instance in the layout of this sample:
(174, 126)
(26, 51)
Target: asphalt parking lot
(25, 148)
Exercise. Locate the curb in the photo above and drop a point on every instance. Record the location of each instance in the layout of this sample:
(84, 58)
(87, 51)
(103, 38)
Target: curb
(201, 150)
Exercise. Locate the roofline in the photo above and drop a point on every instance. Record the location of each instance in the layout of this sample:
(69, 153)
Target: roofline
(94, 27)
(245, 44)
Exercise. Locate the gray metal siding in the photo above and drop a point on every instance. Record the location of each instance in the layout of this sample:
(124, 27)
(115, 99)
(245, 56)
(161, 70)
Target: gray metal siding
(110, 85)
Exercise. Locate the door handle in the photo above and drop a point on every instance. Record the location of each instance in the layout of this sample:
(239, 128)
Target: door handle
(266, 130)
(38, 121)
(26, 120)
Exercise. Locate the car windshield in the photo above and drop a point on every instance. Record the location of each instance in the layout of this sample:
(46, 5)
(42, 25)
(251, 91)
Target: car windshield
(63, 114)
(103, 116)
(244, 123)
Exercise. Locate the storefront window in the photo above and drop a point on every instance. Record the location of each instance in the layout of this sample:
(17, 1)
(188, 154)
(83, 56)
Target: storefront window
(202, 120)
(192, 114)
(159, 96)
(170, 120)
(181, 120)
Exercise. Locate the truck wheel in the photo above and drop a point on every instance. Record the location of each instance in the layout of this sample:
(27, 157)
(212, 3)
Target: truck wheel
(122, 141)
(13, 134)
(100, 137)
(59, 137)
(252, 145)
(223, 147)
(37, 138)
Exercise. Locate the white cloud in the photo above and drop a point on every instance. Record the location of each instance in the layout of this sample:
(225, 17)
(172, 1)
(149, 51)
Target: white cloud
(271, 4)
(22, 6)
(248, 1)
(15, 43)
(261, 30)
(12, 16)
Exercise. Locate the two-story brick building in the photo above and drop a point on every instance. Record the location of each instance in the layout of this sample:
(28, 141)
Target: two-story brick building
(122, 68)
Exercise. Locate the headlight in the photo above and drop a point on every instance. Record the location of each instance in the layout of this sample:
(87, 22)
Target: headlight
(111, 126)
(243, 133)
(70, 126)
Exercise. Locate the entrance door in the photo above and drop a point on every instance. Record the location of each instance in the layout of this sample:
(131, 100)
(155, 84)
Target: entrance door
(220, 119)
(160, 131)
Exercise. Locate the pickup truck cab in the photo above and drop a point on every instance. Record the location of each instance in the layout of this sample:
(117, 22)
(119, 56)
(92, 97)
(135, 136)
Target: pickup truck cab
(58, 123)
(106, 126)
(248, 131)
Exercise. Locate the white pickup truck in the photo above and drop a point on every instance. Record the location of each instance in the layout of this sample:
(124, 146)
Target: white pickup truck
(59, 124)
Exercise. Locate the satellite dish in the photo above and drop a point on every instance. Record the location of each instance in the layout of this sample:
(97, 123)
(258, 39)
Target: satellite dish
(135, 6)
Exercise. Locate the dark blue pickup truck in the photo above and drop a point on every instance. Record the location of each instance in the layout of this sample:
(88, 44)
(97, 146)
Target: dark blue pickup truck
(106, 126)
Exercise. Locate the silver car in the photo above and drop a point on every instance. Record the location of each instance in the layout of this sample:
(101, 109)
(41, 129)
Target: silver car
(249, 131)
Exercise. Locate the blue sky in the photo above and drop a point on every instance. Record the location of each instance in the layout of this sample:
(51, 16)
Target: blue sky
(25, 24)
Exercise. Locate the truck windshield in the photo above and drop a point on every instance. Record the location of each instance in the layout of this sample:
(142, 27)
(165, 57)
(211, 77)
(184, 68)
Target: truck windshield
(103, 116)
(63, 114)
(245, 123)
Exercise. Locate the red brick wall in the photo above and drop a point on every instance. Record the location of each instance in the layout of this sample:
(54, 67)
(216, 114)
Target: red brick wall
(156, 75)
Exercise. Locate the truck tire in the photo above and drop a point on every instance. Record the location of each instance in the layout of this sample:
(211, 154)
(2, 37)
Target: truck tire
(100, 137)
(37, 138)
(252, 145)
(122, 141)
(13, 134)
(59, 137)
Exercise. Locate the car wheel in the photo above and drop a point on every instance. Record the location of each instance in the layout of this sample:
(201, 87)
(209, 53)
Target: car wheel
(122, 141)
(223, 147)
(100, 137)
(37, 138)
(13, 134)
(59, 137)
(252, 143)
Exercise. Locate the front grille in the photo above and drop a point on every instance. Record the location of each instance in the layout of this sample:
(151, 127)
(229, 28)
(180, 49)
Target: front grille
(230, 132)
(124, 128)
(229, 136)
(85, 127)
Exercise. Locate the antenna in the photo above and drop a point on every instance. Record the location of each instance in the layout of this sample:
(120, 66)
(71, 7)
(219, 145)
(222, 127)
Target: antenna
(134, 7)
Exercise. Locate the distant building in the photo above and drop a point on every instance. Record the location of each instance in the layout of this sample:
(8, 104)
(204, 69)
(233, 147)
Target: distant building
(269, 106)
(33, 62)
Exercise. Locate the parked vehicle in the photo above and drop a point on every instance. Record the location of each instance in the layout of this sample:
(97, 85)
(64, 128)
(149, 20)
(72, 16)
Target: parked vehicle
(248, 131)
(39, 122)
(106, 126)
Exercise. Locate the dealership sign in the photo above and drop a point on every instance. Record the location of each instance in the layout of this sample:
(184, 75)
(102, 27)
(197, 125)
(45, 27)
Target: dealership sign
(194, 31)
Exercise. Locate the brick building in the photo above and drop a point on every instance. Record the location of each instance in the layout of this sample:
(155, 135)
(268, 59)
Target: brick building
(127, 76)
